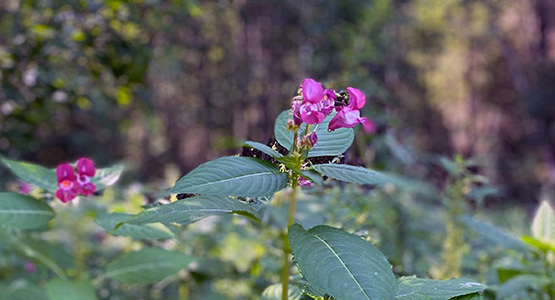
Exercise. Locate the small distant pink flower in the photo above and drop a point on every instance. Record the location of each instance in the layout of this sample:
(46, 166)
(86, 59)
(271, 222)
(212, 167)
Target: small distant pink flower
(66, 182)
(30, 267)
(304, 182)
(85, 170)
(349, 116)
(24, 188)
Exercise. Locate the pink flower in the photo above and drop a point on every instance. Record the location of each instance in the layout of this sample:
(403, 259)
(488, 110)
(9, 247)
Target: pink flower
(311, 113)
(66, 182)
(349, 116)
(30, 267)
(316, 103)
(85, 170)
(24, 188)
(304, 182)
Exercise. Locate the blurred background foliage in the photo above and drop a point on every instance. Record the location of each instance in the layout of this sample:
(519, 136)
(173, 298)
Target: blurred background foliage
(170, 84)
(165, 85)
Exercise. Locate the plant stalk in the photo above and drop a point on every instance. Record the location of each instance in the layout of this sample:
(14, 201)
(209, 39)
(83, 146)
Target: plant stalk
(286, 249)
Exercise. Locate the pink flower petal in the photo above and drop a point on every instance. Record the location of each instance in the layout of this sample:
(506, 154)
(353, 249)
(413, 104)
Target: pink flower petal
(312, 90)
(85, 166)
(310, 113)
(66, 195)
(346, 118)
(65, 172)
(368, 126)
(356, 98)
(87, 189)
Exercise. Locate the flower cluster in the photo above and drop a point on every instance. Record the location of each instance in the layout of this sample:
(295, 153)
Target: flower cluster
(69, 185)
(315, 103)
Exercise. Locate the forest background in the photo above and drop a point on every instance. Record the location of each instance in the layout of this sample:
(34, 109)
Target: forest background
(166, 85)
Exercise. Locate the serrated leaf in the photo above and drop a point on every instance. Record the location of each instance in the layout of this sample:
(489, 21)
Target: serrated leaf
(21, 211)
(341, 264)
(233, 176)
(437, 289)
(543, 225)
(58, 289)
(362, 175)
(192, 209)
(521, 283)
(475, 296)
(148, 265)
(495, 234)
(265, 149)
(329, 143)
(33, 174)
(274, 292)
(147, 231)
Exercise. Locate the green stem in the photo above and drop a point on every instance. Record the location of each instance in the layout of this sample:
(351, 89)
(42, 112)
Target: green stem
(286, 249)
(295, 135)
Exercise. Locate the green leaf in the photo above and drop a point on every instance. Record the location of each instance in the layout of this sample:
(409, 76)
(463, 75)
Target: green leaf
(22, 292)
(542, 246)
(233, 176)
(190, 210)
(33, 174)
(274, 292)
(148, 265)
(21, 211)
(265, 149)
(504, 274)
(521, 283)
(148, 231)
(107, 176)
(475, 296)
(341, 264)
(495, 234)
(410, 295)
(436, 289)
(58, 289)
(543, 225)
(329, 143)
(362, 175)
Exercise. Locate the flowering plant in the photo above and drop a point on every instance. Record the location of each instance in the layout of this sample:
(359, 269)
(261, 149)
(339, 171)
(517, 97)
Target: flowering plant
(311, 139)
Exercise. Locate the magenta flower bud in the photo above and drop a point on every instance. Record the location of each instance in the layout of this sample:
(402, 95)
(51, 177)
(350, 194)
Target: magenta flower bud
(312, 138)
(297, 120)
